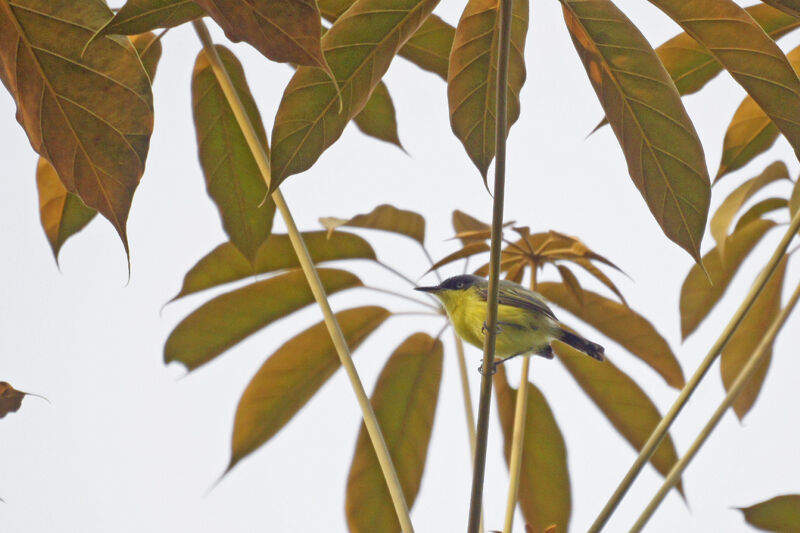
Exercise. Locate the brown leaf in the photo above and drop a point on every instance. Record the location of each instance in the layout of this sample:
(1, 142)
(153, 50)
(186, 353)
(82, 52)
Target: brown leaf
(148, 46)
(232, 317)
(11, 399)
(292, 375)
(89, 114)
(544, 487)
(386, 218)
(790, 7)
(759, 209)
(571, 282)
(378, 119)
(140, 16)
(464, 222)
(404, 400)
(467, 251)
(746, 339)
(780, 514)
(794, 200)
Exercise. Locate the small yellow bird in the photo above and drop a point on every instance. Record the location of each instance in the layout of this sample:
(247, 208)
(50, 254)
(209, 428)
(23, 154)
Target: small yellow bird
(526, 326)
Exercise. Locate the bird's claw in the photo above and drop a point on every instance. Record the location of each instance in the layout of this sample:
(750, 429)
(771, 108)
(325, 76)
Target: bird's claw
(485, 328)
(491, 372)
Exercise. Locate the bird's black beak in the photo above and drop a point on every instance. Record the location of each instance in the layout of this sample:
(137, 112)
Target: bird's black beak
(434, 289)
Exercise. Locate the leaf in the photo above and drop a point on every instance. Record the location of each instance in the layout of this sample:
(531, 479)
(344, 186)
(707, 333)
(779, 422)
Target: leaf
(622, 401)
(794, 200)
(600, 276)
(139, 16)
(359, 48)
(384, 217)
(621, 324)
(472, 76)
(292, 375)
(231, 317)
(378, 119)
(404, 400)
(698, 296)
(89, 115)
(429, 48)
(723, 217)
(467, 251)
(61, 212)
(747, 53)
(233, 178)
(148, 46)
(787, 6)
(225, 264)
(10, 399)
(746, 339)
(287, 31)
(544, 489)
(664, 155)
(780, 514)
(759, 209)
(463, 222)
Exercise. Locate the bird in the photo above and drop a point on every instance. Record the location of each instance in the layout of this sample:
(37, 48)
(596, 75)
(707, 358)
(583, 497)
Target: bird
(525, 324)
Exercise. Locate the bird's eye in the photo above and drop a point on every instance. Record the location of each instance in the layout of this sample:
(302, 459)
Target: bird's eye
(460, 285)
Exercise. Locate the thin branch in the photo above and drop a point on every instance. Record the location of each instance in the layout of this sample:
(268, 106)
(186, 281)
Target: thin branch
(517, 442)
(396, 272)
(747, 371)
(663, 427)
(404, 296)
(339, 342)
(430, 260)
(417, 313)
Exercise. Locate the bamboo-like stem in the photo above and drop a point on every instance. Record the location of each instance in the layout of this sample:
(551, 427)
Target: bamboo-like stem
(339, 342)
(484, 403)
(741, 380)
(517, 441)
(663, 426)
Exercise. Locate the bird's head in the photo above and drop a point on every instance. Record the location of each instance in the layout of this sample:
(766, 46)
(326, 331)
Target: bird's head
(454, 289)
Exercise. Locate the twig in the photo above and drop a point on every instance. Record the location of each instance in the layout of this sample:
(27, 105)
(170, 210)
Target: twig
(517, 442)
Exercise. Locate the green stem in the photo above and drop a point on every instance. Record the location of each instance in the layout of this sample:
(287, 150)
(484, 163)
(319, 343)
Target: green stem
(339, 342)
(663, 427)
(484, 403)
(747, 371)
(517, 441)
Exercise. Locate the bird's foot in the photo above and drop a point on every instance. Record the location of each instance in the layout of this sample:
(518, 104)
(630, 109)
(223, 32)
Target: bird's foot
(491, 372)
(485, 328)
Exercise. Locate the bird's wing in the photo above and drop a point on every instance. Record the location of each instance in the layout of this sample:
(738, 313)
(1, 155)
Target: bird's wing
(515, 295)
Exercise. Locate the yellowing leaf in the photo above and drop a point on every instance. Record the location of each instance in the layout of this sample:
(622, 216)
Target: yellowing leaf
(698, 297)
(378, 119)
(727, 210)
(787, 6)
(404, 400)
(759, 209)
(139, 16)
(90, 115)
(467, 251)
(61, 212)
(292, 375)
(571, 282)
(794, 200)
(621, 324)
(780, 514)
(359, 48)
(472, 76)
(230, 318)
(664, 155)
(544, 488)
(622, 401)
(287, 31)
(233, 178)
(149, 50)
(225, 263)
(747, 337)
(386, 218)
(464, 222)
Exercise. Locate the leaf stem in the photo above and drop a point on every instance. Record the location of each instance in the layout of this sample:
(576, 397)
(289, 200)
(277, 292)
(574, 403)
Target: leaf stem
(741, 380)
(404, 296)
(261, 158)
(517, 441)
(396, 272)
(484, 403)
(661, 429)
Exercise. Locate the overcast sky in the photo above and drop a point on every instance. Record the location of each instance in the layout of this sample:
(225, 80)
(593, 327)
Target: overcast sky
(129, 444)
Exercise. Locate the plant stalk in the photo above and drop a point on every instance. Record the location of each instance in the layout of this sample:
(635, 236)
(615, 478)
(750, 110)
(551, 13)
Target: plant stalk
(741, 380)
(517, 442)
(482, 431)
(465, 392)
(339, 342)
(661, 429)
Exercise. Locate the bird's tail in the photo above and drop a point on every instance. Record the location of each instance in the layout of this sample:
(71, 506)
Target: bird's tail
(579, 343)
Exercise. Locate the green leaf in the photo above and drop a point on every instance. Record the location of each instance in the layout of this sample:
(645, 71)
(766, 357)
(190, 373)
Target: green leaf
(622, 401)
(743, 48)
(780, 514)
(664, 154)
(233, 178)
(698, 296)
(139, 16)
(287, 31)
(472, 76)
(384, 217)
(61, 212)
(378, 118)
(359, 48)
(230, 318)
(225, 263)
(723, 217)
(759, 209)
(746, 339)
(621, 324)
(292, 375)
(544, 489)
(90, 115)
(404, 400)
(794, 200)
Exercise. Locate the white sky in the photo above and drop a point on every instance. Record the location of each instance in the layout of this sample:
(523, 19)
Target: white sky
(128, 446)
